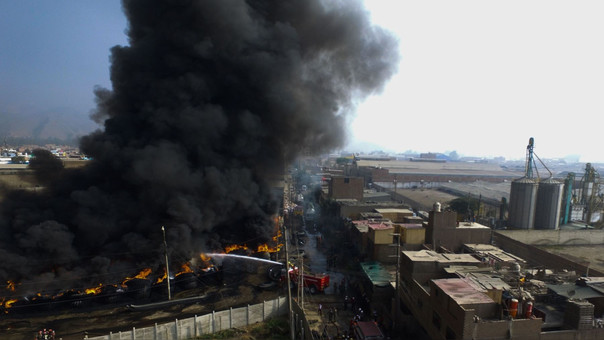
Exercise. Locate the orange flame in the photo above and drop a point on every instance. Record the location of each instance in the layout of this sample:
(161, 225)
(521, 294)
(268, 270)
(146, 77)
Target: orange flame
(8, 303)
(186, 268)
(142, 275)
(39, 295)
(276, 237)
(10, 285)
(95, 290)
(161, 279)
(204, 257)
(266, 248)
(234, 247)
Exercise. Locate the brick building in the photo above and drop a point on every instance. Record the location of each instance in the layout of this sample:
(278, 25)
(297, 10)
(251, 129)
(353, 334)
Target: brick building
(346, 188)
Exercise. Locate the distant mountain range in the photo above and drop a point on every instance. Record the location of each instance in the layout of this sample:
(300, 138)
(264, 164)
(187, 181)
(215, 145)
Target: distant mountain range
(57, 124)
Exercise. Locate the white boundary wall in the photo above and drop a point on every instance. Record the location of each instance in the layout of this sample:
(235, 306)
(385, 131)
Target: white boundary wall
(205, 324)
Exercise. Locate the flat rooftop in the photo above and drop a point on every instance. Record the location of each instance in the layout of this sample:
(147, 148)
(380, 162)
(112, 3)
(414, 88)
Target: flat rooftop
(376, 225)
(440, 168)
(463, 292)
(411, 225)
(431, 256)
(493, 252)
(472, 225)
(393, 211)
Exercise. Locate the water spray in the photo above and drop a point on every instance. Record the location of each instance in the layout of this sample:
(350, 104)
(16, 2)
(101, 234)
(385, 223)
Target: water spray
(244, 257)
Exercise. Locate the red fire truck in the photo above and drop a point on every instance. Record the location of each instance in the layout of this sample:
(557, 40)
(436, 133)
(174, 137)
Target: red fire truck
(313, 282)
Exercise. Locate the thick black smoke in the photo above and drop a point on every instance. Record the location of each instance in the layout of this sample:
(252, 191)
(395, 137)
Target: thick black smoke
(209, 99)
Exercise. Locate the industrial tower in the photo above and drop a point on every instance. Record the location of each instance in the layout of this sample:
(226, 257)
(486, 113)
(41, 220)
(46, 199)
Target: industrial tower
(589, 195)
(534, 202)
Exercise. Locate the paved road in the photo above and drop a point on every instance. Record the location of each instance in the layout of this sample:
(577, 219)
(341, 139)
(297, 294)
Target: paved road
(325, 322)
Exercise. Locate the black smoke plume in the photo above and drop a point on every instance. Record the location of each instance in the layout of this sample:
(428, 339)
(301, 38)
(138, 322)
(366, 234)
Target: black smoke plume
(209, 99)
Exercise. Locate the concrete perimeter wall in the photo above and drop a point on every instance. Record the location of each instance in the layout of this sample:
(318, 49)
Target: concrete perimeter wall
(556, 237)
(205, 324)
(541, 257)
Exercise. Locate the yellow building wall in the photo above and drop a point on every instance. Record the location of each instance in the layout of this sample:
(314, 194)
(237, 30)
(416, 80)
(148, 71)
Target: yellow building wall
(414, 235)
(395, 216)
(383, 236)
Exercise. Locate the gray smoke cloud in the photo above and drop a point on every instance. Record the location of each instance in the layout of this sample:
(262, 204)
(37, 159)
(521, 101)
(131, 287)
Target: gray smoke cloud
(209, 99)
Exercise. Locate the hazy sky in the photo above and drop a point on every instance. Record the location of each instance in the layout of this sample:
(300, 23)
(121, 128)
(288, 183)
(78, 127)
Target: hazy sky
(481, 77)
(477, 77)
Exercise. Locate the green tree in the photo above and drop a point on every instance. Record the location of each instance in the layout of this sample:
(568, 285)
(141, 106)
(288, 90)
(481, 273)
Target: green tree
(18, 160)
(465, 207)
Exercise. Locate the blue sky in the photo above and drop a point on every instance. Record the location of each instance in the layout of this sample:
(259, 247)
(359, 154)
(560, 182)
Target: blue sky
(477, 77)
(54, 52)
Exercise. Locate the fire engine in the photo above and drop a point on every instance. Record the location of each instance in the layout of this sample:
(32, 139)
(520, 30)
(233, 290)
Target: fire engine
(315, 283)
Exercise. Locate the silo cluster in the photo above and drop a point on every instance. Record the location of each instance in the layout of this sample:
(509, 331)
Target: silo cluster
(535, 204)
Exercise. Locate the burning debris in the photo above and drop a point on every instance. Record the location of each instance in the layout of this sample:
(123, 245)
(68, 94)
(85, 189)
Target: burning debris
(202, 271)
(209, 99)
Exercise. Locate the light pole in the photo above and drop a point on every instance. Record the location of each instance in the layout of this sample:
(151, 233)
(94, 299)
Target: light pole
(167, 266)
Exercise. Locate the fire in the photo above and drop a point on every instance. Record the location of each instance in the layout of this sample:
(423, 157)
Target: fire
(276, 237)
(266, 248)
(95, 290)
(161, 279)
(10, 285)
(8, 303)
(204, 257)
(234, 247)
(39, 295)
(186, 268)
(142, 275)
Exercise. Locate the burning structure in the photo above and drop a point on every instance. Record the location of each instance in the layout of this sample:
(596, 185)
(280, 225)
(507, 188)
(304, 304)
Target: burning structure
(208, 99)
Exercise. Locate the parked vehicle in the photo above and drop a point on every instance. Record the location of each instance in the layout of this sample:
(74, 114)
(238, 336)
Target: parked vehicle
(367, 330)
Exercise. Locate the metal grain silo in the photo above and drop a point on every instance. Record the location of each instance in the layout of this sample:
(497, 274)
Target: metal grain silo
(523, 199)
(549, 201)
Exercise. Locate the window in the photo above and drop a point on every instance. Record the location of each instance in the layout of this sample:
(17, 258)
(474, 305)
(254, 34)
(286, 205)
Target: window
(346, 180)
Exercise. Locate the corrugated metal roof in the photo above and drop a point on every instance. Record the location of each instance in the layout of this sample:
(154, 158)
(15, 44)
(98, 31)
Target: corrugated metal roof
(571, 290)
(463, 292)
(377, 274)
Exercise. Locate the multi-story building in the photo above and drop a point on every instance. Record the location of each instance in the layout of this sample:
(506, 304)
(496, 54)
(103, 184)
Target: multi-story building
(346, 187)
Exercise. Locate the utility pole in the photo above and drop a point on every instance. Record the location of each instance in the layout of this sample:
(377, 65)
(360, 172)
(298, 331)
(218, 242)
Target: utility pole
(301, 280)
(289, 289)
(167, 266)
